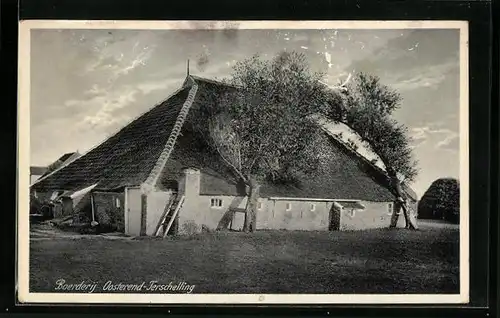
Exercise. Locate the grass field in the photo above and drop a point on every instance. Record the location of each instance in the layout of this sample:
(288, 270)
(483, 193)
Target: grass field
(376, 261)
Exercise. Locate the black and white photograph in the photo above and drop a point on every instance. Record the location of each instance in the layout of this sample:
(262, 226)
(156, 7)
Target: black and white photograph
(271, 162)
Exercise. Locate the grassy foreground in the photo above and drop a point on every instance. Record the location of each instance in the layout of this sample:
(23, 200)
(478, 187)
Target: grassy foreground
(375, 261)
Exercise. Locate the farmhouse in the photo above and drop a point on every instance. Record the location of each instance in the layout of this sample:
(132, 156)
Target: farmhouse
(154, 177)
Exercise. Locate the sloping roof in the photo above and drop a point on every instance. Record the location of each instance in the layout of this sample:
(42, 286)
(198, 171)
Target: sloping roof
(352, 205)
(341, 175)
(124, 159)
(63, 160)
(376, 169)
(128, 157)
(66, 156)
(37, 170)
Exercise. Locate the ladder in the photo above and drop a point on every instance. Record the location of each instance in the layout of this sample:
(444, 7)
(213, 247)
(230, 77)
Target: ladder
(169, 214)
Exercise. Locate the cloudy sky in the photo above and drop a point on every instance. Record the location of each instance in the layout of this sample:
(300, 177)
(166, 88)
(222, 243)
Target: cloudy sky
(87, 84)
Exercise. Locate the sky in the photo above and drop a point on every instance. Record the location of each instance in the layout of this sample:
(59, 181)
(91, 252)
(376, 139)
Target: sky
(87, 84)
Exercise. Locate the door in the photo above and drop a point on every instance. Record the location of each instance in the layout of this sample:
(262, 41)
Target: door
(133, 213)
(334, 218)
(238, 221)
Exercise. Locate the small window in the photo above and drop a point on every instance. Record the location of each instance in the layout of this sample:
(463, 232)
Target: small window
(352, 213)
(117, 202)
(313, 207)
(390, 208)
(288, 206)
(259, 206)
(216, 203)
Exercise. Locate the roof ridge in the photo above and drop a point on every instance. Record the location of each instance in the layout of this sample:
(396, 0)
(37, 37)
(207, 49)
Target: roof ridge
(332, 135)
(211, 81)
(404, 185)
(172, 139)
(354, 152)
(65, 164)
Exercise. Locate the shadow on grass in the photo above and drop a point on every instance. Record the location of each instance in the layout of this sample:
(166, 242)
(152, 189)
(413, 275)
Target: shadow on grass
(373, 261)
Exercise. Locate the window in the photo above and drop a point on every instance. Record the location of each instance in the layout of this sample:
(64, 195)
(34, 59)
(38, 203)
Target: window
(117, 202)
(313, 207)
(215, 203)
(259, 206)
(390, 208)
(288, 206)
(352, 213)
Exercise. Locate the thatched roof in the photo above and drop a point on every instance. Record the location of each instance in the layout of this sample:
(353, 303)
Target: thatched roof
(124, 159)
(127, 158)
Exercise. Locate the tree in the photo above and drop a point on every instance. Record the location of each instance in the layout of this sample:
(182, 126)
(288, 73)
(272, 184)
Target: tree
(264, 129)
(366, 106)
(441, 201)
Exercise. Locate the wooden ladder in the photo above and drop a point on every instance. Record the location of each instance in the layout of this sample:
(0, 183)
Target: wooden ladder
(169, 214)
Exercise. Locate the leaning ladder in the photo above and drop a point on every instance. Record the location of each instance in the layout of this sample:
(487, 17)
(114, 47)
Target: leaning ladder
(167, 209)
(169, 216)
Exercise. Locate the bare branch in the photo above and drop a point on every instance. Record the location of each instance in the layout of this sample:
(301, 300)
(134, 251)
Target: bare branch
(231, 165)
(256, 156)
(342, 86)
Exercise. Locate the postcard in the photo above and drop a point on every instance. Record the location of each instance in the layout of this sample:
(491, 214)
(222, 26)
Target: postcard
(243, 162)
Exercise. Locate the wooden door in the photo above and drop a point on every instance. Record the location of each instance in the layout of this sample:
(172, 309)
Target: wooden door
(334, 218)
(238, 221)
(133, 214)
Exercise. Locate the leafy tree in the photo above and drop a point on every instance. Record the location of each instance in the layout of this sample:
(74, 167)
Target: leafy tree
(441, 201)
(265, 129)
(366, 106)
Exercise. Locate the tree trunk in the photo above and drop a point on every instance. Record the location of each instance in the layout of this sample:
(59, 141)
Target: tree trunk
(411, 223)
(251, 208)
(395, 214)
(408, 224)
(400, 204)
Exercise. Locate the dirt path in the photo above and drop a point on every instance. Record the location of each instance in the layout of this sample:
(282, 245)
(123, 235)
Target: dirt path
(436, 224)
(41, 232)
